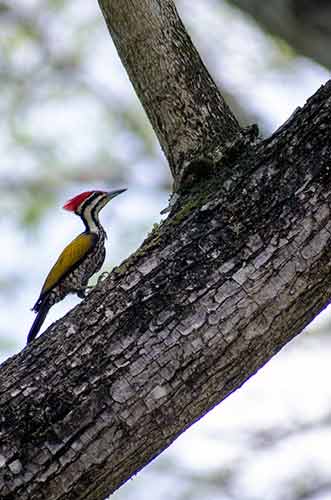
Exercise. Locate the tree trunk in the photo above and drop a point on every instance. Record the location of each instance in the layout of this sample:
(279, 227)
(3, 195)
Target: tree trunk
(180, 98)
(304, 24)
(240, 266)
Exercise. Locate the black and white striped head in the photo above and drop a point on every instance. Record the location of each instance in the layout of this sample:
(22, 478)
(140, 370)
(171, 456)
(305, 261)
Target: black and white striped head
(88, 205)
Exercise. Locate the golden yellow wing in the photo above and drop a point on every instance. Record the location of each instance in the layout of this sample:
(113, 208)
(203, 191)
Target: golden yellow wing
(69, 258)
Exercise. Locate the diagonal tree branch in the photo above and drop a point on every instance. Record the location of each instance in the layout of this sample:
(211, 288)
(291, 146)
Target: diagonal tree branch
(238, 269)
(235, 273)
(181, 100)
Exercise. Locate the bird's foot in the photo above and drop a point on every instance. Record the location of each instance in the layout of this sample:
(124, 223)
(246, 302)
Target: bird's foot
(102, 277)
(84, 292)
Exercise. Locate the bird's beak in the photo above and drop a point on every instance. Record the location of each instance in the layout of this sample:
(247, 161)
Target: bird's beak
(116, 192)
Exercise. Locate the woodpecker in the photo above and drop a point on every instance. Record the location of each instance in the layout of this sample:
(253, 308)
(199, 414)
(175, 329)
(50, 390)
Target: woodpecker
(79, 260)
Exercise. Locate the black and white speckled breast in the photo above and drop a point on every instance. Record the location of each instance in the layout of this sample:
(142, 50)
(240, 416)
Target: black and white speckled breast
(78, 278)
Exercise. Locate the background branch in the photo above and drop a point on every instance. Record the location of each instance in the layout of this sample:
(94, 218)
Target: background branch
(305, 25)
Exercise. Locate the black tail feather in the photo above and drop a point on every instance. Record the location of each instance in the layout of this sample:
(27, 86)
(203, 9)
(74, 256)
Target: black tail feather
(40, 318)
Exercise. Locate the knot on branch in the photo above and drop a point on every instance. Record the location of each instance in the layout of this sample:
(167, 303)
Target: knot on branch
(232, 151)
(196, 170)
(208, 164)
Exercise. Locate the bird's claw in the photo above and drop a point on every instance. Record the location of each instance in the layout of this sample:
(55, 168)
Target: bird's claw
(102, 277)
(84, 292)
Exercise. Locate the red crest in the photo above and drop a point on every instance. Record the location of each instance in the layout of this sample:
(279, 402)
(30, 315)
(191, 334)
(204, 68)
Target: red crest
(74, 203)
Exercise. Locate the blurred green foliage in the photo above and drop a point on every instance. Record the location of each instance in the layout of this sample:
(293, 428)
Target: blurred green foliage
(61, 125)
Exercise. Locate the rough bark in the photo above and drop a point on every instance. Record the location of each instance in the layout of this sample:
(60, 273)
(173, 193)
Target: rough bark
(240, 267)
(181, 100)
(304, 24)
